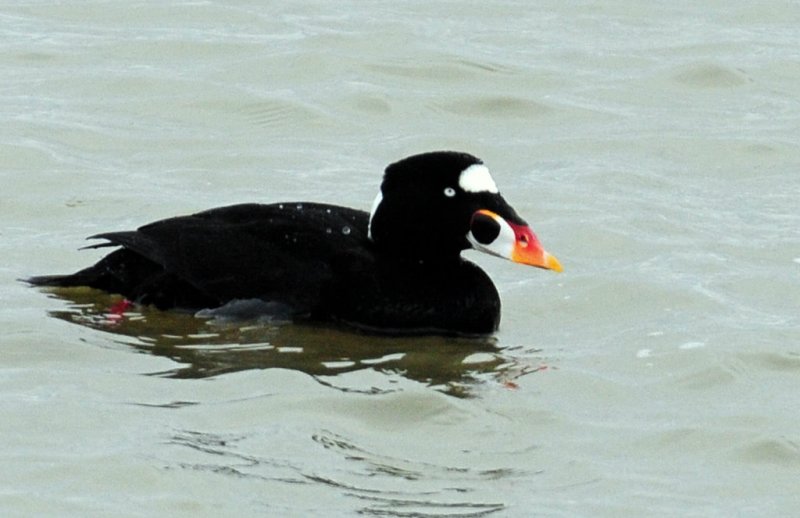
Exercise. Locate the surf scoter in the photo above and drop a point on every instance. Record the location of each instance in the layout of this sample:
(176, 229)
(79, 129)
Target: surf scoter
(397, 268)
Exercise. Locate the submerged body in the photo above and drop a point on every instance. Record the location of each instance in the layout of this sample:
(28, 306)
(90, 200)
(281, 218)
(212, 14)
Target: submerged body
(396, 269)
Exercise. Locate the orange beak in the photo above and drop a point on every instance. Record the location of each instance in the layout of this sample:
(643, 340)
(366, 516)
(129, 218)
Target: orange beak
(528, 250)
(493, 234)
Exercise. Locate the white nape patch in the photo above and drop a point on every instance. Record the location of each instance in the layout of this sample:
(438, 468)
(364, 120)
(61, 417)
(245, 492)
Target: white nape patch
(372, 211)
(476, 178)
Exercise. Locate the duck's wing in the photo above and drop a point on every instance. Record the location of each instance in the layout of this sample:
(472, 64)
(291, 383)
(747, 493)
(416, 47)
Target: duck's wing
(278, 252)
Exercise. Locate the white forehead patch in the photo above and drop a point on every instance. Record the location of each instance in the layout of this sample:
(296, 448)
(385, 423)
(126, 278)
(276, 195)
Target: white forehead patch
(476, 178)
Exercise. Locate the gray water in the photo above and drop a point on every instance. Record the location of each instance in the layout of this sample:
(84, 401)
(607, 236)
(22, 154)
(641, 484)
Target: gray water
(652, 147)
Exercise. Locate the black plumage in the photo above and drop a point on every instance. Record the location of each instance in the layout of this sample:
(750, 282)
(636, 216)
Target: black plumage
(397, 269)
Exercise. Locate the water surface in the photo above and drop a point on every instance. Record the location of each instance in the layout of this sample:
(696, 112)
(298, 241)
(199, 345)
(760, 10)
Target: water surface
(654, 151)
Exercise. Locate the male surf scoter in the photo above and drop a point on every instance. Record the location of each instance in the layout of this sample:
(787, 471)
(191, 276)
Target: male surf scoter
(397, 268)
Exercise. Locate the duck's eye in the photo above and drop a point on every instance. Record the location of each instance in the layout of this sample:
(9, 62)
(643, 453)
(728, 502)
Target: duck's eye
(449, 192)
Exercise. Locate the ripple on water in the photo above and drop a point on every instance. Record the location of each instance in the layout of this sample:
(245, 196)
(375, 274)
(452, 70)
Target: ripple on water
(778, 451)
(399, 486)
(709, 75)
(498, 106)
(276, 112)
(787, 362)
(447, 71)
(373, 483)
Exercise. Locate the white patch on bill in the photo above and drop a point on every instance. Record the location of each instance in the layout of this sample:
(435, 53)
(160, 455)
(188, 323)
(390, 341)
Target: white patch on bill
(503, 244)
(373, 210)
(476, 178)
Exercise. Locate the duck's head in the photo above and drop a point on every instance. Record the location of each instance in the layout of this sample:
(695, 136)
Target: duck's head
(434, 205)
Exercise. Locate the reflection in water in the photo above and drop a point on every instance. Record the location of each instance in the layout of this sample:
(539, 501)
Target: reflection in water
(208, 348)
